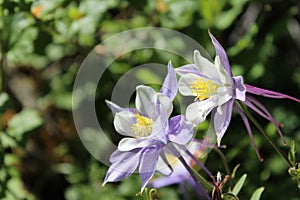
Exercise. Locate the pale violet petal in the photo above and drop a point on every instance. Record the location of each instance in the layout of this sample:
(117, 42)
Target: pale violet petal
(146, 99)
(165, 181)
(170, 85)
(240, 88)
(197, 111)
(179, 173)
(148, 165)
(180, 130)
(206, 68)
(159, 129)
(187, 69)
(122, 167)
(116, 156)
(222, 120)
(221, 53)
(185, 82)
(128, 144)
(123, 122)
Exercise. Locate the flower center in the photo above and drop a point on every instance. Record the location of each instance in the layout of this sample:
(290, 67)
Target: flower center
(203, 88)
(143, 126)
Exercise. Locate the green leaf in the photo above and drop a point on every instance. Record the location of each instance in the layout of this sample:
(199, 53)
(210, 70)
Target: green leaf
(6, 140)
(292, 152)
(3, 99)
(229, 196)
(234, 170)
(175, 8)
(239, 185)
(257, 193)
(15, 189)
(209, 9)
(25, 121)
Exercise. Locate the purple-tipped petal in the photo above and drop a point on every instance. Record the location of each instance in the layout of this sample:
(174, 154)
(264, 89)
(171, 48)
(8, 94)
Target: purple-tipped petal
(124, 165)
(252, 103)
(147, 165)
(222, 120)
(240, 89)
(246, 122)
(269, 93)
(221, 53)
(180, 131)
(115, 108)
(165, 181)
(188, 69)
(170, 85)
(257, 110)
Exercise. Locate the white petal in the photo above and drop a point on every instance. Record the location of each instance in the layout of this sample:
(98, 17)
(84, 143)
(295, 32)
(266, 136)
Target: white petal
(166, 104)
(123, 122)
(206, 68)
(128, 144)
(185, 82)
(224, 77)
(146, 99)
(197, 112)
(163, 167)
(224, 95)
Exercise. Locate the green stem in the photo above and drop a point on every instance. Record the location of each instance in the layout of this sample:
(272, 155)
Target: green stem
(194, 174)
(265, 134)
(225, 163)
(203, 181)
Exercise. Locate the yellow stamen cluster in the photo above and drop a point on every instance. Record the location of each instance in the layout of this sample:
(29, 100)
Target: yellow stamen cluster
(203, 88)
(143, 126)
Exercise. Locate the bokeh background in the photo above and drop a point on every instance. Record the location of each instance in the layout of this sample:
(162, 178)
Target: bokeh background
(43, 44)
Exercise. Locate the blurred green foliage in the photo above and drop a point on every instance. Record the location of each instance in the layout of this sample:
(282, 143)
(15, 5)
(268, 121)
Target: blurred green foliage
(43, 43)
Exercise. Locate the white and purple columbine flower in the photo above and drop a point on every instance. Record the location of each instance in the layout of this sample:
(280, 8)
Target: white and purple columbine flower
(147, 130)
(180, 174)
(215, 90)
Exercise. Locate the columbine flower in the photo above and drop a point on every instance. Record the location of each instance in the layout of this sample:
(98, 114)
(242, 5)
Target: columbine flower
(147, 130)
(215, 90)
(180, 174)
